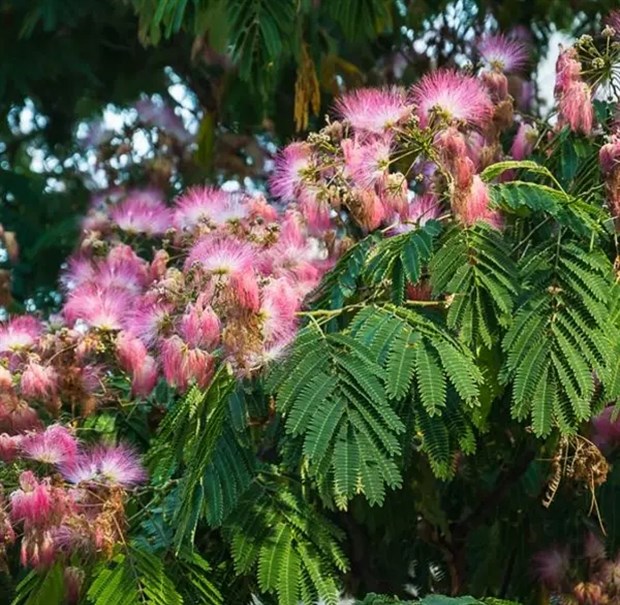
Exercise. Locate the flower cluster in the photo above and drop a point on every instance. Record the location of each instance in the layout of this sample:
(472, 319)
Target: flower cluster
(598, 585)
(397, 158)
(73, 500)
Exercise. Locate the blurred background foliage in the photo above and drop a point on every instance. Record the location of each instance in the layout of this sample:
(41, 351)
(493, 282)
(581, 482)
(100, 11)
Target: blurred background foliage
(243, 75)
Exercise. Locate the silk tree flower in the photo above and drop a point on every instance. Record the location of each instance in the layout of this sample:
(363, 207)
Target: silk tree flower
(200, 326)
(19, 333)
(32, 503)
(130, 351)
(103, 308)
(292, 165)
(609, 154)
(523, 143)
(373, 110)
(476, 206)
(55, 445)
(453, 97)
(231, 259)
(9, 448)
(278, 310)
(110, 465)
(502, 53)
(144, 379)
(39, 381)
(368, 208)
(139, 213)
(201, 204)
(420, 210)
(149, 318)
(550, 566)
(573, 95)
(121, 268)
(367, 163)
(182, 364)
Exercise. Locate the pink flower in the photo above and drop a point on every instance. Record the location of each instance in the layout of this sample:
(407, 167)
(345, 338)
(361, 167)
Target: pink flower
(292, 165)
(374, 110)
(200, 326)
(371, 211)
(73, 580)
(231, 259)
(524, 141)
(260, 208)
(451, 96)
(39, 381)
(181, 364)
(573, 95)
(366, 163)
(550, 566)
(476, 206)
(208, 204)
(20, 332)
(32, 503)
(280, 304)
(6, 379)
(502, 53)
(609, 154)
(145, 377)
(317, 212)
(112, 465)
(142, 213)
(149, 319)
(421, 208)
(106, 309)
(131, 352)
(606, 428)
(56, 445)
(9, 448)
(576, 108)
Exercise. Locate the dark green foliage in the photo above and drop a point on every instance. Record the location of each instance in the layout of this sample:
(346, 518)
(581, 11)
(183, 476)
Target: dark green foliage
(294, 550)
(474, 266)
(564, 311)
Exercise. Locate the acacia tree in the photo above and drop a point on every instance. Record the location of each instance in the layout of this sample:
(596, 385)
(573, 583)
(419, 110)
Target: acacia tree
(380, 382)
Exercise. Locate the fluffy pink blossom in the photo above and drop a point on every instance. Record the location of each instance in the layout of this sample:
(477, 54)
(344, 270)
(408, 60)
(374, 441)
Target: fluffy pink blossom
(130, 351)
(524, 141)
(575, 107)
(609, 154)
(199, 204)
(259, 208)
(366, 163)
(56, 445)
(9, 447)
(32, 502)
(39, 381)
(6, 380)
(606, 428)
(199, 325)
(317, 212)
(550, 566)
(140, 213)
(19, 332)
(232, 259)
(122, 268)
(372, 212)
(98, 307)
(454, 155)
(503, 53)
(145, 377)
(374, 110)
(279, 306)
(181, 365)
(112, 465)
(148, 319)
(292, 164)
(573, 95)
(421, 208)
(452, 96)
(476, 206)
